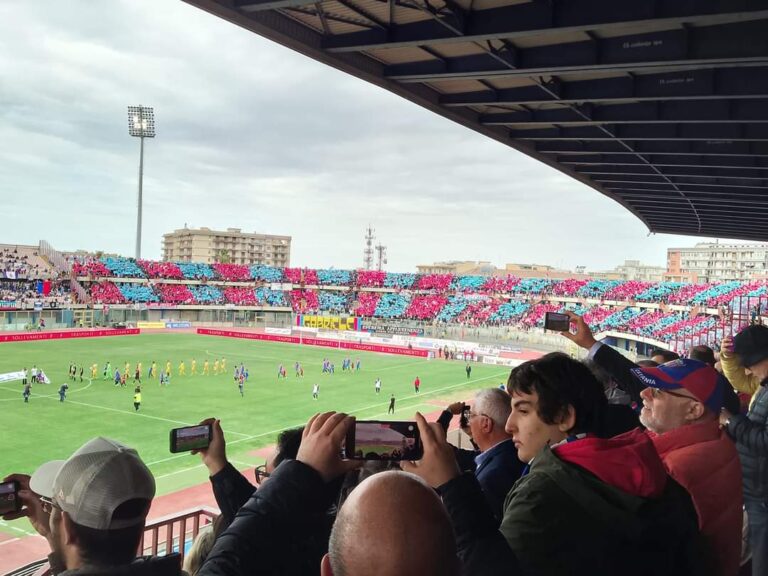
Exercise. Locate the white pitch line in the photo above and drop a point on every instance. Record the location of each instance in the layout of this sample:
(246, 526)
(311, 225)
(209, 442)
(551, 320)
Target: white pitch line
(135, 413)
(25, 532)
(298, 424)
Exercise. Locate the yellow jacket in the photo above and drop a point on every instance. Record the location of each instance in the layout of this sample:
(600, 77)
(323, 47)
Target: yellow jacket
(734, 371)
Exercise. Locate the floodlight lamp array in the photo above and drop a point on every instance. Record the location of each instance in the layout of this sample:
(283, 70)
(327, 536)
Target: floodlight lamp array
(141, 121)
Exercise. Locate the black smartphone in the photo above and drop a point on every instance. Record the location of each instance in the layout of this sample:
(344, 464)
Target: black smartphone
(191, 438)
(9, 497)
(557, 322)
(464, 418)
(383, 440)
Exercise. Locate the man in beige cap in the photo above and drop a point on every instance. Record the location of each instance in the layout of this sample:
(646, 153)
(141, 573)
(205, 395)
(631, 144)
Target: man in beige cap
(92, 508)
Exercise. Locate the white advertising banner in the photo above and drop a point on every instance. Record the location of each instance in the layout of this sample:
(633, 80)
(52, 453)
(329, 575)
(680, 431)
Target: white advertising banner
(11, 376)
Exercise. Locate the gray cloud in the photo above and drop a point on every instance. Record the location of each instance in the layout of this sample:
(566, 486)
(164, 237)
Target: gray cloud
(255, 136)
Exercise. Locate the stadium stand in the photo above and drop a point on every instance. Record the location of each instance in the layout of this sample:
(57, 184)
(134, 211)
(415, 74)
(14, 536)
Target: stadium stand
(438, 298)
(168, 270)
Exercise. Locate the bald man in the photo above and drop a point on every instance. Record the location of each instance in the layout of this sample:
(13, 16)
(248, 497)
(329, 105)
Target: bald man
(374, 538)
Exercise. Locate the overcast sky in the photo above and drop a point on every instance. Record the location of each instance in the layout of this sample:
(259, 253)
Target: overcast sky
(254, 136)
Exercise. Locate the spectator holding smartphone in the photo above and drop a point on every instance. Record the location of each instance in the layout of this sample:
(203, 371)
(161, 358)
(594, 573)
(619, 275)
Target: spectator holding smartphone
(262, 538)
(91, 508)
(585, 506)
(749, 350)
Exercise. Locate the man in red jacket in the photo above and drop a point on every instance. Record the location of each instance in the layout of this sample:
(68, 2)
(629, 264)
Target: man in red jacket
(681, 403)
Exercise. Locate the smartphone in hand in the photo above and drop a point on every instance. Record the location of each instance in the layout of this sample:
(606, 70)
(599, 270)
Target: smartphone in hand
(383, 440)
(9, 497)
(191, 438)
(557, 322)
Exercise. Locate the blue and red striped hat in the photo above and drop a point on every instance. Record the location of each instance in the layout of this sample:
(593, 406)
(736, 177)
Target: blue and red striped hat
(700, 379)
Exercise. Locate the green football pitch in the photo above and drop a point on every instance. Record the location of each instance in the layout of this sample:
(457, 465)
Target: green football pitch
(44, 428)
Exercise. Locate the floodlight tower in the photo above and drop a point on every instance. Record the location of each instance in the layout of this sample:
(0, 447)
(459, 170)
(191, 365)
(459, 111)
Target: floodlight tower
(141, 124)
(381, 250)
(368, 252)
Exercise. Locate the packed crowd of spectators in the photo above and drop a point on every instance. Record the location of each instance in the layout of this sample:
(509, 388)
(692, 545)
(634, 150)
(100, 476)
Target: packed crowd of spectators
(592, 468)
(19, 264)
(710, 295)
(26, 293)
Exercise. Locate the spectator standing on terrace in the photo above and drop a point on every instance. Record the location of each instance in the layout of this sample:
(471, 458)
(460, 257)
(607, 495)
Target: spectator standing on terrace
(91, 509)
(749, 349)
(391, 409)
(586, 506)
(682, 401)
(703, 353)
(413, 538)
(416, 384)
(495, 463)
(283, 527)
(660, 356)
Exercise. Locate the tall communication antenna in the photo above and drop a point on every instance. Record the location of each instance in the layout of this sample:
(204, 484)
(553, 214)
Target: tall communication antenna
(381, 259)
(368, 252)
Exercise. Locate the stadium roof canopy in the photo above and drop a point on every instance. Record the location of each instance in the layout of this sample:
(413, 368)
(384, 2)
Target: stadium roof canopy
(661, 105)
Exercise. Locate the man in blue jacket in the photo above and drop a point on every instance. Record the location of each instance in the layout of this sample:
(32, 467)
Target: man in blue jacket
(495, 462)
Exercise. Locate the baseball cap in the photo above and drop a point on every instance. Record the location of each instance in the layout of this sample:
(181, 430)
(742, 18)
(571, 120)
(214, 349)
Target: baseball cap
(92, 483)
(751, 344)
(700, 379)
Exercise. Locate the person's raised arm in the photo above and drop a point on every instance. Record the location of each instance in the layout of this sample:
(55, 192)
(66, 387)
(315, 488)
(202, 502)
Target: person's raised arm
(614, 363)
(481, 547)
(230, 488)
(269, 535)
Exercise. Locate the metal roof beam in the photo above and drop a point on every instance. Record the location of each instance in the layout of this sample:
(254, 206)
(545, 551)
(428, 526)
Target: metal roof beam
(630, 176)
(725, 133)
(676, 112)
(692, 194)
(700, 170)
(724, 165)
(729, 45)
(687, 148)
(731, 83)
(543, 18)
(262, 5)
(666, 180)
(709, 202)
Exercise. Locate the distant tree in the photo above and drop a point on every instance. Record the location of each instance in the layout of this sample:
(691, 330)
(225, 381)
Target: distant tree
(223, 257)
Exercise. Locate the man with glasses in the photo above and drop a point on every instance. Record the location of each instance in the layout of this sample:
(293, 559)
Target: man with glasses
(495, 462)
(681, 403)
(91, 508)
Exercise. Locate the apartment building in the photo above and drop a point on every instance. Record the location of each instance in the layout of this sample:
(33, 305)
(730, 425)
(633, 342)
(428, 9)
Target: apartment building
(716, 262)
(231, 245)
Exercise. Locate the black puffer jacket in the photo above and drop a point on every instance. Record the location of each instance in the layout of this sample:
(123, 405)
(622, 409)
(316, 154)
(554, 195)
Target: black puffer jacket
(282, 529)
(751, 435)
